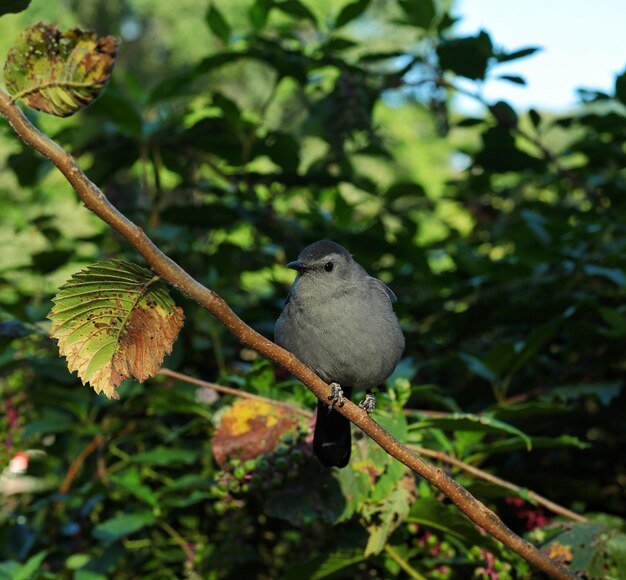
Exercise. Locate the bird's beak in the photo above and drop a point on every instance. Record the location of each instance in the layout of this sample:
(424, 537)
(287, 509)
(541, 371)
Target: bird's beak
(296, 265)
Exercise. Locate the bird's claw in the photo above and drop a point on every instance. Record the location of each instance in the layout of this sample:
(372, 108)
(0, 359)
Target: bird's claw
(369, 403)
(336, 397)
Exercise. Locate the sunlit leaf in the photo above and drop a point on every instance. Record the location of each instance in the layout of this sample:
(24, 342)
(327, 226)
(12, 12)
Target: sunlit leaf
(249, 428)
(114, 320)
(59, 72)
(385, 516)
(469, 422)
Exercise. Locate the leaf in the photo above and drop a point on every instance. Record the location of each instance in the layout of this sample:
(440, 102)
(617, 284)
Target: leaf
(218, 24)
(535, 118)
(163, 456)
(250, 428)
(120, 526)
(351, 12)
(13, 6)
(515, 79)
(114, 320)
(615, 275)
(620, 88)
(296, 10)
(59, 72)
(325, 565)
(522, 53)
(419, 13)
(431, 513)
(29, 569)
(385, 516)
(468, 422)
(605, 392)
(468, 56)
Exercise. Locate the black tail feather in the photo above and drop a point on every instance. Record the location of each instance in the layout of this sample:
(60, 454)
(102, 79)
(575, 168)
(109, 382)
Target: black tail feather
(332, 441)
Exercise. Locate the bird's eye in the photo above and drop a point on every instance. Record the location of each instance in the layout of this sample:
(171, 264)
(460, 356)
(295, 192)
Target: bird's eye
(329, 266)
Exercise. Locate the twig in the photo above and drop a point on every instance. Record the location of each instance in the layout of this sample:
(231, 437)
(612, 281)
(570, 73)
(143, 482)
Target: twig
(410, 571)
(476, 472)
(547, 154)
(235, 392)
(172, 273)
(191, 557)
(80, 459)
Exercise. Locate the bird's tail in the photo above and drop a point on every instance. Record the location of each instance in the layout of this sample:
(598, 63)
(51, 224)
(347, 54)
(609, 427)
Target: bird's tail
(332, 441)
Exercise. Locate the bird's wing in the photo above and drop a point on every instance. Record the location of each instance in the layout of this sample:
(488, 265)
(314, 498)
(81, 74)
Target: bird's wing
(379, 286)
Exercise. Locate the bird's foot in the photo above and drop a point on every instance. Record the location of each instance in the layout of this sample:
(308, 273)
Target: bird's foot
(336, 397)
(369, 403)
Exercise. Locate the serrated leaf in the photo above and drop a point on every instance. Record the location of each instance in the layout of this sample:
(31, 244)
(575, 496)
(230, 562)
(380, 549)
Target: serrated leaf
(114, 320)
(59, 72)
(13, 6)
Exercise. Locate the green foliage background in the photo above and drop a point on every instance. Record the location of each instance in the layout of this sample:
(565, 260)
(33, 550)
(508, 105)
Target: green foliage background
(235, 135)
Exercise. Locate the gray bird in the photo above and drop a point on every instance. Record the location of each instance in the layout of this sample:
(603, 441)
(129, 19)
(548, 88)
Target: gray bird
(340, 322)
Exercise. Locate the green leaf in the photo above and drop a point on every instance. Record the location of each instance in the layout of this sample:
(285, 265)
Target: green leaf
(468, 56)
(259, 12)
(218, 24)
(515, 79)
(535, 118)
(13, 6)
(620, 88)
(384, 517)
(114, 320)
(296, 9)
(615, 275)
(163, 456)
(351, 12)
(605, 392)
(468, 422)
(522, 53)
(30, 568)
(616, 547)
(419, 13)
(478, 367)
(431, 513)
(326, 565)
(130, 480)
(59, 72)
(121, 526)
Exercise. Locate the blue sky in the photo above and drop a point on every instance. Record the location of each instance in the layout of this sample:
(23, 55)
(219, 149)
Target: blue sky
(584, 45)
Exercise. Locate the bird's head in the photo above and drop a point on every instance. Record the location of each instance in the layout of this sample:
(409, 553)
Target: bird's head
(324, 261)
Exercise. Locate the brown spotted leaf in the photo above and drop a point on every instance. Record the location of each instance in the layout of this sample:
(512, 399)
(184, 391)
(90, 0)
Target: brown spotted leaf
(59, 72)
(249, 428)
(114, 320)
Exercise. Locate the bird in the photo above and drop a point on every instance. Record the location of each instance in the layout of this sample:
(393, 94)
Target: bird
(339, 321)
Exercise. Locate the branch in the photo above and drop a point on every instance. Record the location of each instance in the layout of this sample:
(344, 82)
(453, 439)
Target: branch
(235, 392)
(172, 273)
(440, 455)
(479, 473)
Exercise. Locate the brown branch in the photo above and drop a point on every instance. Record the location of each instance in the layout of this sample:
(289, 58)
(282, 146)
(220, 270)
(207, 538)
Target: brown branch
(172, 273)
(440, 455)
(479, 473)
(235, 392)
(96, 442)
